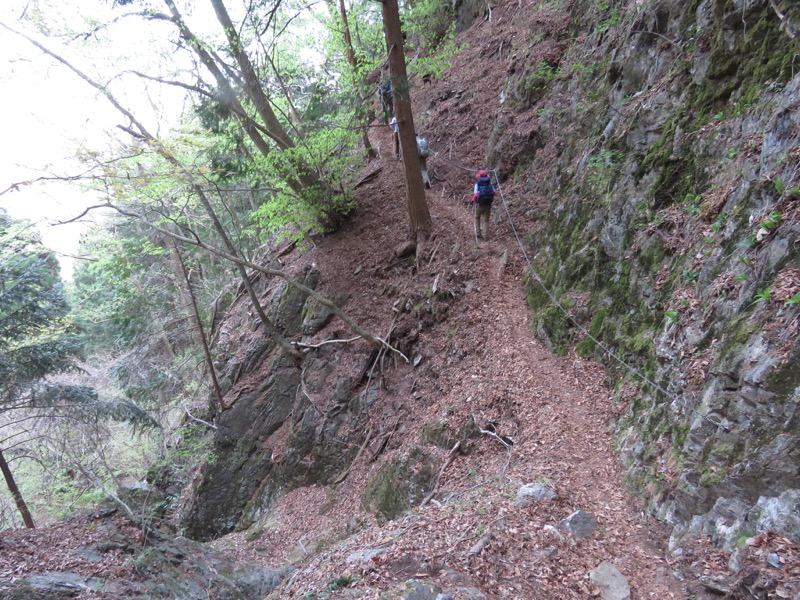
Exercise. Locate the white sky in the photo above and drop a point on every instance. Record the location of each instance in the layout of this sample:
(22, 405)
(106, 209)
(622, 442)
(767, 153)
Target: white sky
(47, 113)
(44, 116)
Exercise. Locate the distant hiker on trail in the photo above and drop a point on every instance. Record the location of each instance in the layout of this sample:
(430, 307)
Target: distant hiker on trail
(482, 203)
(395, 137)
(424, 152)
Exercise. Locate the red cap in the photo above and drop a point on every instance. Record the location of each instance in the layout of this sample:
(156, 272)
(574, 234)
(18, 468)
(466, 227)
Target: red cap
(481, 173)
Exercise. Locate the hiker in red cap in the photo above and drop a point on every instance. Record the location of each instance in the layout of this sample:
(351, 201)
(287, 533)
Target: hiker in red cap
(482, 203)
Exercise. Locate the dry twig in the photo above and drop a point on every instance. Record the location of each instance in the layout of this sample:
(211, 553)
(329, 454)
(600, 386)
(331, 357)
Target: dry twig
(450, 458)
(344, 475)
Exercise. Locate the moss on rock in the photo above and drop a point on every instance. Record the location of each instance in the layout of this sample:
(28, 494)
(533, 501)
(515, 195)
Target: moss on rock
(399, 485)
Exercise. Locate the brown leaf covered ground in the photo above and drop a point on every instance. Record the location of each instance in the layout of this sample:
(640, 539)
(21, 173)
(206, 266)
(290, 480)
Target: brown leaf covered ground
(479, 362)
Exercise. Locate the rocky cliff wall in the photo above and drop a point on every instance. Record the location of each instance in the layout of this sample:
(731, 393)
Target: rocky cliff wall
(274, 437)
(668, 149)
(300, 423)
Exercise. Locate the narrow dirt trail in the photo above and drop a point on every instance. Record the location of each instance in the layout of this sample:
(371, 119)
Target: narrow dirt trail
(556, 409)
(481, 364)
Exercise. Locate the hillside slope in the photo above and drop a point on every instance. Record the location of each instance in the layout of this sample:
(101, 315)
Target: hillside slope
(631, 153)
(648, 158)
(479, 367)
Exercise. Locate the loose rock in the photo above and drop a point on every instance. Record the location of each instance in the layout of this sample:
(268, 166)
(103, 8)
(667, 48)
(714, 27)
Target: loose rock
(580, 524)
(533, 492)
(612, 583)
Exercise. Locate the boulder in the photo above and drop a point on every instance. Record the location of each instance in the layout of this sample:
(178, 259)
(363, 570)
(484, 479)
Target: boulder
(612, 584)
(579, 524)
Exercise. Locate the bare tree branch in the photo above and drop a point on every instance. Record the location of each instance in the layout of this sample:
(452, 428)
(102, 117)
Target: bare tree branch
(193, 418)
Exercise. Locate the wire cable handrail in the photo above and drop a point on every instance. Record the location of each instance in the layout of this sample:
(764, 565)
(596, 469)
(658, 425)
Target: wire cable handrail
(580, 327)
(636, 372)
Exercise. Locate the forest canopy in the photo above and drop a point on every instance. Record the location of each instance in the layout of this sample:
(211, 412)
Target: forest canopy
(238, 128)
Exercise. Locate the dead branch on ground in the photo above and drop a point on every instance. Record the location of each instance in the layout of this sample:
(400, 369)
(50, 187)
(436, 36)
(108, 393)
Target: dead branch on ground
(450, 458)
(321, 344)
(344, 475)
(480, 545)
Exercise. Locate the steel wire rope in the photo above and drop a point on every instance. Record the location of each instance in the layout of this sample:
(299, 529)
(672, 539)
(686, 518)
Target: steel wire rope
(581, 328)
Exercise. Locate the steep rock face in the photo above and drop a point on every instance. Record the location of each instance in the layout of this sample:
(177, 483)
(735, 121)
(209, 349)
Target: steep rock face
(294, 423)
(672, 240)
(273, 438)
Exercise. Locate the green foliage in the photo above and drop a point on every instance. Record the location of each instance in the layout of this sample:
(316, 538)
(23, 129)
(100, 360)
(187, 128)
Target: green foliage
(40, 349)
(432, 24)
(762, 295)
(794, 300)
(534, 82)
(602, 168)
(284, 213)
(719, 222)
(671, 316)
(690, 276)
(129, 301)
(116, 294)
(436, 63)
(609, 14)
(431, 21)
(772, 221)
(196, 447)
(692, 203)
(540, 75)
(37, 338)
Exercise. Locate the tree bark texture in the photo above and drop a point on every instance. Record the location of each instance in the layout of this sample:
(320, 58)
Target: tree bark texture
(18, 499)
(351, 58)
(420, 217)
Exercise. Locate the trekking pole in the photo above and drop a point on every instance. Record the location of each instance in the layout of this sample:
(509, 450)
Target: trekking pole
(474, 225)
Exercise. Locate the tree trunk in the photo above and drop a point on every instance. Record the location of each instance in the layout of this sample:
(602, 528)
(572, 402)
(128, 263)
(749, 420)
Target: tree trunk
(351, 58)
(227, 96)
(199, 322)
(257, 95)
(420, 217)
(18, 499)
